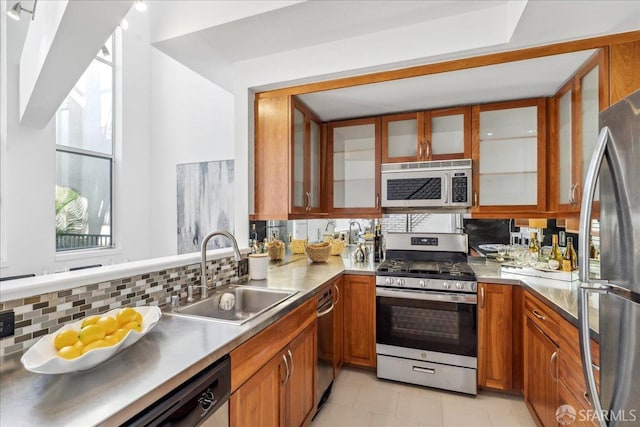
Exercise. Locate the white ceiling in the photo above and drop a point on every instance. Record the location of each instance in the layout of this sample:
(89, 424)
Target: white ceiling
(514, 80)
(382, 35)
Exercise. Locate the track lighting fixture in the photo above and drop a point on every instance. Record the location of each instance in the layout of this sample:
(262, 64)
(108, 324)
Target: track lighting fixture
(17, 9)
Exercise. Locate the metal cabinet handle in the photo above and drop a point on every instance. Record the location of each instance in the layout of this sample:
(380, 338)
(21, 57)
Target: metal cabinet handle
(576, 194)
(337, 292)
(475, 199)
(420, 151)
(538, 315)
(377, 200)
(291, 358)
(482, 297)
(428, 150)
(327, 311)
(286, 365)
(308, 204)
(572, 194)
(424, 370)
(585, 395)
(553, 356)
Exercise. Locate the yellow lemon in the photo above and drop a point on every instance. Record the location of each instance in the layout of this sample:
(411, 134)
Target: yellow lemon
(91, 333)
(109, 324)
(116, 336)
(126, 315)
(95, 344)
(65, 338)
(138, 317)
(79, 345)
(69, 352)
(132, 325)
(91, 320)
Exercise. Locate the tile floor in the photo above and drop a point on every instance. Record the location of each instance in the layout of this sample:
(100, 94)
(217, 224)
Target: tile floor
(359, 399)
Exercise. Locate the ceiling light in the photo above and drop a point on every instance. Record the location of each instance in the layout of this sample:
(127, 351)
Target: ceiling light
(17, 9)
(124, 24)
(141, 6)
(105, 50)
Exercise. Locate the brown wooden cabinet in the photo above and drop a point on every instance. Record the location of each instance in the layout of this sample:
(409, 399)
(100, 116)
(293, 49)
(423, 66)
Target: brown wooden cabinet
(359, 320)
(273, 374)
(509, 158)
(430, 135)
(338, 325)
(353, 168)
(624, 62)
(540, 374)
(289, 152)
(495, 336)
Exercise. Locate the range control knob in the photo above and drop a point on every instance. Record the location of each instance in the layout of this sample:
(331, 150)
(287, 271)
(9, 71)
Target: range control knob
(459, 285)
(446, 285)
(422, 283)
(401, 282)
(388, 281)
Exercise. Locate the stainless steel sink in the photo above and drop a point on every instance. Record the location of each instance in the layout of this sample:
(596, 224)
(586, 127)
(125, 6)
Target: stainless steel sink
(236, 304)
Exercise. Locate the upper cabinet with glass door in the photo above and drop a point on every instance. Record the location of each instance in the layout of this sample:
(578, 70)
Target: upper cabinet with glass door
(577, 106)
(509, 157)
(430, 135)
(307, 159)
(354, 167)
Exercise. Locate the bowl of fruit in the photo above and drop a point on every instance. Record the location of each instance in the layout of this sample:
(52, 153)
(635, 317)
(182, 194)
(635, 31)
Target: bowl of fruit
(88, 342)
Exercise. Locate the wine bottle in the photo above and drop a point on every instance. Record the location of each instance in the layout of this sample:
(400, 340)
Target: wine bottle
(534, 246)
(570, 258)
(556, 254)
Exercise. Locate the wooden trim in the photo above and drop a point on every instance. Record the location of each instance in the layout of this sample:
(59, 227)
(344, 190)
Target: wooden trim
(553, 153)
(459, 64)
(542, 153)
(385, 136)
(624, 69)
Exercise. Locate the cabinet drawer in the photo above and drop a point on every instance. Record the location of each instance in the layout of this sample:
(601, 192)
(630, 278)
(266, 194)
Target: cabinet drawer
(569, 336)
(542, 316)
(570, 373)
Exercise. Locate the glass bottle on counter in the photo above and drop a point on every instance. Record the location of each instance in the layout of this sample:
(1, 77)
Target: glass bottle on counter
(570, 258)
(556, 254)
(534, 246)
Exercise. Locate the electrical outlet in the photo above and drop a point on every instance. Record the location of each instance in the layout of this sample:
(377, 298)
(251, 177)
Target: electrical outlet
(243, 267)
(7, 323)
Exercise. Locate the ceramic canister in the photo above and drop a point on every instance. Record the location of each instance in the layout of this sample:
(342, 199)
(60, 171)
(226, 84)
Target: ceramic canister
(258, 266)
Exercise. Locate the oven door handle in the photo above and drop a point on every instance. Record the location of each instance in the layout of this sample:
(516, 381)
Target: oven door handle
(428, 296)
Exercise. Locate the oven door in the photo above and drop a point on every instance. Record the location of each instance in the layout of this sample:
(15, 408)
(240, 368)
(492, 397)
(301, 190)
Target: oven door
(420, 188)
(431, 321)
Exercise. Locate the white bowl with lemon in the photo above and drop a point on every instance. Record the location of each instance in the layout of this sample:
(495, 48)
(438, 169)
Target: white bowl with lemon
(88, 342)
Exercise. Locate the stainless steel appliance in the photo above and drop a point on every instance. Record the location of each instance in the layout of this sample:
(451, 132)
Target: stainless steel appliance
(426, 312)
(325, 344)
(201, 401)
(616, 163)
(437, 184)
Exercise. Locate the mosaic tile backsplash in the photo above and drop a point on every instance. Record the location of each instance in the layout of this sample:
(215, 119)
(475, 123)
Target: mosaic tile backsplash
(46, 313)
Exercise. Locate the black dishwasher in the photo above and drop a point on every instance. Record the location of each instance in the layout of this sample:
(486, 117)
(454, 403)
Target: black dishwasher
(200, 401)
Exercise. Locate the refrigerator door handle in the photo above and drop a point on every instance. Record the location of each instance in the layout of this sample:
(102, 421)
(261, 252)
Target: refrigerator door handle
(583, 246)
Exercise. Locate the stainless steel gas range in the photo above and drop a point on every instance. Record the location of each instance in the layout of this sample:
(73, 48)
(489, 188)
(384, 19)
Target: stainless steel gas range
(426, 311)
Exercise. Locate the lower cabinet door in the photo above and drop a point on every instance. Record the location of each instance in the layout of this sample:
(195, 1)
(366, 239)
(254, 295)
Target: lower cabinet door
(495, 348)
(360, 320)
(300, 395)
(541, 374)
(258, 401)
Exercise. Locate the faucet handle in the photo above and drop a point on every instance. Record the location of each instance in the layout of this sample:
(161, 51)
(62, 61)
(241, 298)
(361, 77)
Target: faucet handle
(190, 293)
(175, 302)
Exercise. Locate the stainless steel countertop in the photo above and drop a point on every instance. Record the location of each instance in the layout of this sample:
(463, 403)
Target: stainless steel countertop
(561, 295)
(175, 350)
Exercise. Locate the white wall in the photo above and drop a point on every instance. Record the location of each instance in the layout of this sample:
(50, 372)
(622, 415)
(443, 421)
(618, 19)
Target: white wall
(192, 121)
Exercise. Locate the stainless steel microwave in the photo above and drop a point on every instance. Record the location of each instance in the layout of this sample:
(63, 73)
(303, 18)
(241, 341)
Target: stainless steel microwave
(435, 184)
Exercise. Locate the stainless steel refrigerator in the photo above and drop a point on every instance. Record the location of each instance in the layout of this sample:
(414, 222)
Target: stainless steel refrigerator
(615, 165)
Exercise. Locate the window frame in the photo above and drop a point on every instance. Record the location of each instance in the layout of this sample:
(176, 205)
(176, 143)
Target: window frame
(69, 253)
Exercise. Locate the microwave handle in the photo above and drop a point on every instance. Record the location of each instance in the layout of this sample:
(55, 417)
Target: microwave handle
(446, 188)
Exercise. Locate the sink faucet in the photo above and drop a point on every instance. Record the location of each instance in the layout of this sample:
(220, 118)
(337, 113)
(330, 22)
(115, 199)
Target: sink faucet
(203, 259)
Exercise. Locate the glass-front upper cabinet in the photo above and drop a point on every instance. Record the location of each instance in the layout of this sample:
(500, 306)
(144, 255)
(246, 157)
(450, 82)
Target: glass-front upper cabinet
(509, 156)
(354, 166)
(448, 134)
(307, 160)
(577, 107)
(429, 135)
(402, 138)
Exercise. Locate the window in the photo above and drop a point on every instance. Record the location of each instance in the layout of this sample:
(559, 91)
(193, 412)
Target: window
(84, 158)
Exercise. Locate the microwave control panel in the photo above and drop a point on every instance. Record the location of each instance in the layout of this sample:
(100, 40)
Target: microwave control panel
(459, 189)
